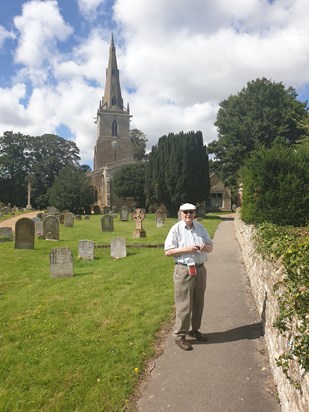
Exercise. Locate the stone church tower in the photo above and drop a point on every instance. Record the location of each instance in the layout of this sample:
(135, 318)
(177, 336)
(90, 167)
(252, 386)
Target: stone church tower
(113, 147)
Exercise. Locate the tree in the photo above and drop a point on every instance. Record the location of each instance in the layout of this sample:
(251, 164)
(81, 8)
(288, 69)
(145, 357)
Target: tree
(256, 116)
(38, 159)
(139, 140)
(276, 185)
(71, 190)
(178, 171)
(129, 181)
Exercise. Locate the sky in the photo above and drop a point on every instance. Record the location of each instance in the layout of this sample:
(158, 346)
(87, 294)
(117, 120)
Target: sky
(178, 59)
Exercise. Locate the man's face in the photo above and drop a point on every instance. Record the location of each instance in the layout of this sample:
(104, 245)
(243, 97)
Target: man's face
(188, 216)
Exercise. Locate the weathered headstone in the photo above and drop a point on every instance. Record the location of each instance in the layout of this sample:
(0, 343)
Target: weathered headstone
(24, 233)
(38, 226)
(61, 218)
(106, 210)
(160, 217)
(118, 248)
(52, 210)
(68, 219)
(86, 249)
(138, 216)
(124, 213)
(107, 223)
(61, 263)
(6, 234)
(51, 227)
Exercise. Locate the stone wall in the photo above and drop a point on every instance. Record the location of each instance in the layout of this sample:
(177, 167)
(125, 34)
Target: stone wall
(263, 275)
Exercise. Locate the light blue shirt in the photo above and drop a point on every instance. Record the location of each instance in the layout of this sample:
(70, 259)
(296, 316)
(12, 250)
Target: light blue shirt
(181, 235)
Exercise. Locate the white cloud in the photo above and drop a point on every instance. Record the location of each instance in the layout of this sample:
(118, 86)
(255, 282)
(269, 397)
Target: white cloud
(40, 27)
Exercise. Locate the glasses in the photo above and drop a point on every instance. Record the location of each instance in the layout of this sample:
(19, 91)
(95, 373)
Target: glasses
(188, 212)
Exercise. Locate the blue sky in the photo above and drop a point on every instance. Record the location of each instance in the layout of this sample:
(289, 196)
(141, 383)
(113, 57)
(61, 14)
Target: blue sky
(178, 59)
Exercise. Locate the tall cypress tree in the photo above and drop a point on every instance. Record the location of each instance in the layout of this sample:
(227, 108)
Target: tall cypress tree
(177, 171)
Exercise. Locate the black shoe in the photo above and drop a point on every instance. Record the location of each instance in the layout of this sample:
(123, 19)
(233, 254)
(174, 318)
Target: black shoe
(183, 343)
(198, 336)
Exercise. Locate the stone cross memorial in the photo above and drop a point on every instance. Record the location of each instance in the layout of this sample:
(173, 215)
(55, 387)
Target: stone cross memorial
(86, 249)
(118, 248)
(138, 216)
(24, 234)
(61, 263)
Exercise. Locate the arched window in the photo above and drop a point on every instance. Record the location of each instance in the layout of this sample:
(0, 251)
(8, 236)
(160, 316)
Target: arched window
(113, 101)
(114, 128)
(113, 72)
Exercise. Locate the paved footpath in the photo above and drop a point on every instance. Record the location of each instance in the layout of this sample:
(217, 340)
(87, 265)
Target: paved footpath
(230, 372)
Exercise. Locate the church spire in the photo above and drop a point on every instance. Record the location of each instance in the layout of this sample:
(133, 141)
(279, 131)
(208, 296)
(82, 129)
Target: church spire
(112, 98)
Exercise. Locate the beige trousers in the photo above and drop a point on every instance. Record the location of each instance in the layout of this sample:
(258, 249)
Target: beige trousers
(189, 294)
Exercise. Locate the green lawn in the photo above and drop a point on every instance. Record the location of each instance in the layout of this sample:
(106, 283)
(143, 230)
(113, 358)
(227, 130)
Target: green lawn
(81, 343)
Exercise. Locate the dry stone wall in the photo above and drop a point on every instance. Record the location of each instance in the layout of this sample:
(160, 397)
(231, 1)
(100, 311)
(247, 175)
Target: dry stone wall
(263, 275)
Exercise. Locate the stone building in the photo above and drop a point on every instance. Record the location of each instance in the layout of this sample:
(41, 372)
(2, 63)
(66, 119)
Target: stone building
(113, 147)
(220, 195)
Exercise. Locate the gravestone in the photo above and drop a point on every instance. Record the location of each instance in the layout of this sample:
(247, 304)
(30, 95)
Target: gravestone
(77, 217)
(61, 263)
(86, 249)
(138, 216)
(36, 219)
(160, 217)
(124, 213)
(106, 210)
(38, 226)
(6, 234)
(107, 223)
(118, 248)
(52, 210)
(68, 219)
(24, 234)
(61, 218)
(87, 217)
(51, 227)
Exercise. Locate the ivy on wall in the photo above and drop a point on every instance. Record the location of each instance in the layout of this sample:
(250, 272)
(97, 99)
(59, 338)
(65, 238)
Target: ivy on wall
(291, 246)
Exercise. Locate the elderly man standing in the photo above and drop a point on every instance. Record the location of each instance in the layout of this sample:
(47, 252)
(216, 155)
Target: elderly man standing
(188, 242)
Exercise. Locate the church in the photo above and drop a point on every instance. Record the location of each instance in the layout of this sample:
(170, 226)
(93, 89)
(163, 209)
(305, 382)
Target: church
(113, 147)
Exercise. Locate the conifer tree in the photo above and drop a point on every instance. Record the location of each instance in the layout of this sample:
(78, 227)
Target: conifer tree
(177, 171)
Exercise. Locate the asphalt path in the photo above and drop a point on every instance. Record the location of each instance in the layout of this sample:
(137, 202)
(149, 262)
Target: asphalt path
(230, 372)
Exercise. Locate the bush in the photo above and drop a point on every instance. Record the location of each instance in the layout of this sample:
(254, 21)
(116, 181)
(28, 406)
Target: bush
(276, 186)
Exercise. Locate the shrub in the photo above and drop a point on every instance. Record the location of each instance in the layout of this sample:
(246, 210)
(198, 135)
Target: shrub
(276, 186)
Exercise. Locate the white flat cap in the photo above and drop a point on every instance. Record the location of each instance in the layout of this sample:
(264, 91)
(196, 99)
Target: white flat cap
(187, 206)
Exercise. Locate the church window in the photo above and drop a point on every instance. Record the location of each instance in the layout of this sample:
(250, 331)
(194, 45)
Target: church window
(113, 72)
(113, 101)
(114, 128)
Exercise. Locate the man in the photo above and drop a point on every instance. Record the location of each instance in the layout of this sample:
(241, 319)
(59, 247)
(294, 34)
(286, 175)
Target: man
(188, 242)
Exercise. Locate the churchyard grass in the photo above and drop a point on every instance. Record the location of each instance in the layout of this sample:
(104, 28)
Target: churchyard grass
(81, 343)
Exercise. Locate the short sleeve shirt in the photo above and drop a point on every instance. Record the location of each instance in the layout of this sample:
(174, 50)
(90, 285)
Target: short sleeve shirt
(181, 235)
